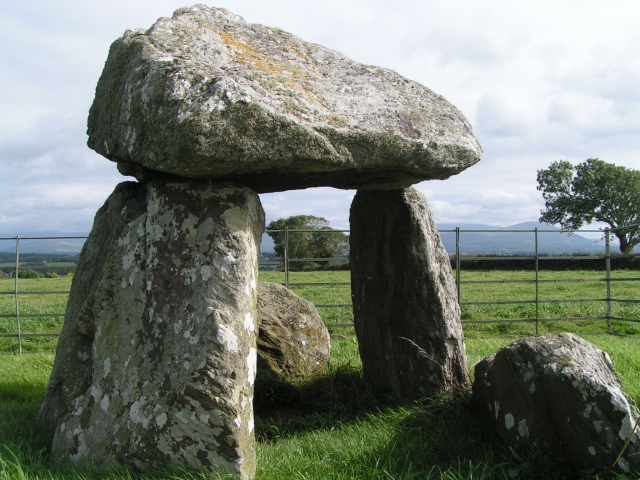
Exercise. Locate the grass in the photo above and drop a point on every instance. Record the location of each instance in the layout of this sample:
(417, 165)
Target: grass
(330, 428)
(478, 319)
(333, 427)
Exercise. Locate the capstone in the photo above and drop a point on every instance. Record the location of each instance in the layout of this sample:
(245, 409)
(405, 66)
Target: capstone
(204, 94)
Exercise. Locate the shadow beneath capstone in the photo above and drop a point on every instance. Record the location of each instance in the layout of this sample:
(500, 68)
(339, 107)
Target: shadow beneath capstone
(334, 398)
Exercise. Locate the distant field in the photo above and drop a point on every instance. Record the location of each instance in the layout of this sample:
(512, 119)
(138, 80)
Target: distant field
(557, 289)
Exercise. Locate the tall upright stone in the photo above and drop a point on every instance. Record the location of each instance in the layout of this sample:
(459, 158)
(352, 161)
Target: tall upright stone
(405, 305)
(157, 358)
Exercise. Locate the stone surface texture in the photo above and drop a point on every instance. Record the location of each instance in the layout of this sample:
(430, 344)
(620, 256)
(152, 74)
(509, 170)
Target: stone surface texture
(562, 393)
(204, 94)
(293, 341)
(156, 361)
(406, 312)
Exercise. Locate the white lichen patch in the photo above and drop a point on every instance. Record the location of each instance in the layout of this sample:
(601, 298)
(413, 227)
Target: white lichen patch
(106, 367)
(592, 450)
(227, 338)
(95, 392)
(127, 260)
(177, 326)
(523, 429)
(252, 362)
(210, 310)
(193, 339)
(104, 403)
(249, 324)
(509, 421)
(205, 272)
(624, 464)
(161, 420)
(230, 257)
(237, 421)
(250, 426)
(626, 429)
(136, 413)
(618, 400)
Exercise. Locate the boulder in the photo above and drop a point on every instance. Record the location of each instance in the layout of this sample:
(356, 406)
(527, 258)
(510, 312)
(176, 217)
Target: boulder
(405, 302)
(156, 360)
(204, 94)
(561, 393)
(293, 342)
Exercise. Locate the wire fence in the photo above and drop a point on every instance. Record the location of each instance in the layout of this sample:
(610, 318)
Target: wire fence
(458, 261)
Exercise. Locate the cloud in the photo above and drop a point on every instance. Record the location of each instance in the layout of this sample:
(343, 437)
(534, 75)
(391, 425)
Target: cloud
(539, 81)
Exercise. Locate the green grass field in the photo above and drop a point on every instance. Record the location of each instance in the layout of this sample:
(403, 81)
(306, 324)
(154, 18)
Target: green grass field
(554, 287)
(339, 430)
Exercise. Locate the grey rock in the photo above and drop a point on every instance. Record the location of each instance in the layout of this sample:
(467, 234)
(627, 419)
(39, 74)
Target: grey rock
(405, 302)
(205, 94)
(561, 393)
(157, 360)
(293, 341)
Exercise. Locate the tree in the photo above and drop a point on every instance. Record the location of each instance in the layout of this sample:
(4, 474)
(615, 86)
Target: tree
(316, 244)
(593, 190)
(27, 274)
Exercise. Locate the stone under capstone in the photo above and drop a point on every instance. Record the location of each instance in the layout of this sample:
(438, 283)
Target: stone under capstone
(204, 94)
(405, 303)
(157, 357)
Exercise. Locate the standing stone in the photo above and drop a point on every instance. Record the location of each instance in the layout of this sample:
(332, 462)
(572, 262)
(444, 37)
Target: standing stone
(560, 393)
(406, 311)
(293, 341)
(156, 361)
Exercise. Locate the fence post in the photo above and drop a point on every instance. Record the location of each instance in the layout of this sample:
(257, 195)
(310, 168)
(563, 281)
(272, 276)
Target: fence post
(608, 275)
(15, 294)
(286, 257)
(458, 261)
(537, 284)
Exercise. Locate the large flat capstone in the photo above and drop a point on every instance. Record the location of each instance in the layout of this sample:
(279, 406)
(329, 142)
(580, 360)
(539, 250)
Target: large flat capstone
(157, 357)
(204, 94)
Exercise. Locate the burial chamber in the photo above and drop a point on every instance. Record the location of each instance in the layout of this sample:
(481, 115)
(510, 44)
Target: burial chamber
(157, 358)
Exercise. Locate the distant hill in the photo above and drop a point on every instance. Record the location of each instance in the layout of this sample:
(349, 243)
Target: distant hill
(36, 242)
(500, 241)
(506, 241)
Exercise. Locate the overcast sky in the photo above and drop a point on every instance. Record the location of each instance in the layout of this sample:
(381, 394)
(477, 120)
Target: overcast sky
(539, 81)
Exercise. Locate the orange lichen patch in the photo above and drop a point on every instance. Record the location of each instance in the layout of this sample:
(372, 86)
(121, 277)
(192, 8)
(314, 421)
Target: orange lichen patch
(285, 73)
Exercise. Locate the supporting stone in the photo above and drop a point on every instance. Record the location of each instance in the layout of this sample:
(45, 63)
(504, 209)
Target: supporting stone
(157, 357)
(406, 312)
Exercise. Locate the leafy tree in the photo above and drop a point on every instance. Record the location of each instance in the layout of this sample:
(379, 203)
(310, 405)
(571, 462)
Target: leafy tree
(307, 244)
(27, 274)
(593, 190)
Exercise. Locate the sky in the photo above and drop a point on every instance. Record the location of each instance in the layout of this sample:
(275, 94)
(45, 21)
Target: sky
(540, 81)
